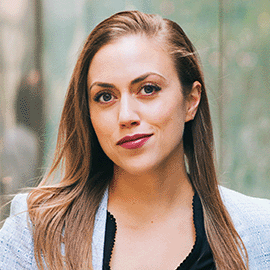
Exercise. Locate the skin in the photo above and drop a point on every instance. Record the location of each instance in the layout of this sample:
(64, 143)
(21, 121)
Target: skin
(134, 88)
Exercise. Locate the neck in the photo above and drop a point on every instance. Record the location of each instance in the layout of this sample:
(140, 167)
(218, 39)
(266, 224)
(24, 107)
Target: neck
(158, 190)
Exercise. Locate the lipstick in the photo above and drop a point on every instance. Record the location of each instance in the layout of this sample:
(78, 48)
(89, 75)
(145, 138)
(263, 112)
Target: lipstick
(134, 141)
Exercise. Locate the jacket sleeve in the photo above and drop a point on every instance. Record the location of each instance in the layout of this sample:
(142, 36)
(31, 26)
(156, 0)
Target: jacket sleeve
(16, 243)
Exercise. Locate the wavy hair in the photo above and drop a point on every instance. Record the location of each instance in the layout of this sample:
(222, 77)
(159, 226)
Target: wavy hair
(56, 209)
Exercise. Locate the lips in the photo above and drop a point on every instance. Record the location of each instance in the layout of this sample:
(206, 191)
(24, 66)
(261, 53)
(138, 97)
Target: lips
(134, 141)
(133, 138)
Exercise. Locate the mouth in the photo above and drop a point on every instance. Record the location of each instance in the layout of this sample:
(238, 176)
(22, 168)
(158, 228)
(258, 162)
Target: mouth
(134, 141)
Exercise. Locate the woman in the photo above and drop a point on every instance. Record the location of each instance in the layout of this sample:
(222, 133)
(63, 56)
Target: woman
(138, 188)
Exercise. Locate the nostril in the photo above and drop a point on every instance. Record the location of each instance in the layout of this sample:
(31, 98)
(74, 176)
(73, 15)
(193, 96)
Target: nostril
(130, 124)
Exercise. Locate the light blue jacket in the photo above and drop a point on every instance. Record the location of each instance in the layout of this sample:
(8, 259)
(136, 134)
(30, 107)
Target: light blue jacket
(251, 217)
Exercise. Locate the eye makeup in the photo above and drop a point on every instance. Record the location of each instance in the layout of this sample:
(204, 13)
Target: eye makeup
(104, 96)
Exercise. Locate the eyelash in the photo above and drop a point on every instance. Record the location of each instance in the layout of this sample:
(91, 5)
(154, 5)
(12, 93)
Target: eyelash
(156, 89)
(100, 94)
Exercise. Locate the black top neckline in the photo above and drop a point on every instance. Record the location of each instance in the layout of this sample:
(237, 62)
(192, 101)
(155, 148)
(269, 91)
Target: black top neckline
(200, 256)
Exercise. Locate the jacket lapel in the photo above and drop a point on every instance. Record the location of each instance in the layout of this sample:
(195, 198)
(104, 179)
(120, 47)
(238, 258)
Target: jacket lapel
(99, 233)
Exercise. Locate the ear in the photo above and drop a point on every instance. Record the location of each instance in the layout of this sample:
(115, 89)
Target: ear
(193, 101)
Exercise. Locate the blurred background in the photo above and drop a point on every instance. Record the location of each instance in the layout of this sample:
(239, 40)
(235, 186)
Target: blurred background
(39, 44)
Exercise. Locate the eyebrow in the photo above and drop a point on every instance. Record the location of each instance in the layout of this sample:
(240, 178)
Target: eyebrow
(137, 80)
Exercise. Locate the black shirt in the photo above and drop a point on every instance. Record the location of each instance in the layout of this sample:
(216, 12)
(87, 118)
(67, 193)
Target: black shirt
(200, 257)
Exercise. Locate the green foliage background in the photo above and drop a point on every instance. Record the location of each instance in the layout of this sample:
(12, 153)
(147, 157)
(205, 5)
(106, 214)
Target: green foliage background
(239, 92)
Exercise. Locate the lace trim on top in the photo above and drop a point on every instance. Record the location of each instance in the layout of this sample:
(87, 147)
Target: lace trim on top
(194, 260)
(196, 237)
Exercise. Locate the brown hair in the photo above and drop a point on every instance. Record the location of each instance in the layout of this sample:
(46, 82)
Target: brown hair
(55, 210)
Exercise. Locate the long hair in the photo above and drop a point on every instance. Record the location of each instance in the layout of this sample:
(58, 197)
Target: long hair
(56, 210)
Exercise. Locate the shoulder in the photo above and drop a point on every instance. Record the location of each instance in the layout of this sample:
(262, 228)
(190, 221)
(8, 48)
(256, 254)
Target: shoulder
(246, 207)
(16, 243)
(251, 218)
(19, 204)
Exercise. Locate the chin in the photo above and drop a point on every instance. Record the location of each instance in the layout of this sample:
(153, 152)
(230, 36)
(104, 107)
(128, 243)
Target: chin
(138, 169)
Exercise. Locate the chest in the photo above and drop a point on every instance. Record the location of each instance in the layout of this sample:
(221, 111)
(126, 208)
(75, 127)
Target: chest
(165, 246)
(158, 246)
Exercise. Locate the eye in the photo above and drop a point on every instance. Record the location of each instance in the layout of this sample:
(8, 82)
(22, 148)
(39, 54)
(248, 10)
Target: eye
(149, 89)
(104, 97)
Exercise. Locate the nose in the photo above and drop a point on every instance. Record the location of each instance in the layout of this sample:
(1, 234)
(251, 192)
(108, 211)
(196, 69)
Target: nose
(128, 112)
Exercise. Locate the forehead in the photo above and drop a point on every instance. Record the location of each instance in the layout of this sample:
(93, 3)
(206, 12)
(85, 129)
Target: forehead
(129, 57)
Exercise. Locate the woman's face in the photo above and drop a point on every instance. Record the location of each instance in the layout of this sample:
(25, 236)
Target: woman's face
(136, 104)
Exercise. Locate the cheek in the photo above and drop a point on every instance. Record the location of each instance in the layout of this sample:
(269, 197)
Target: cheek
(102, 124)
(104, 135)
(168, 117)
(173, 125)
